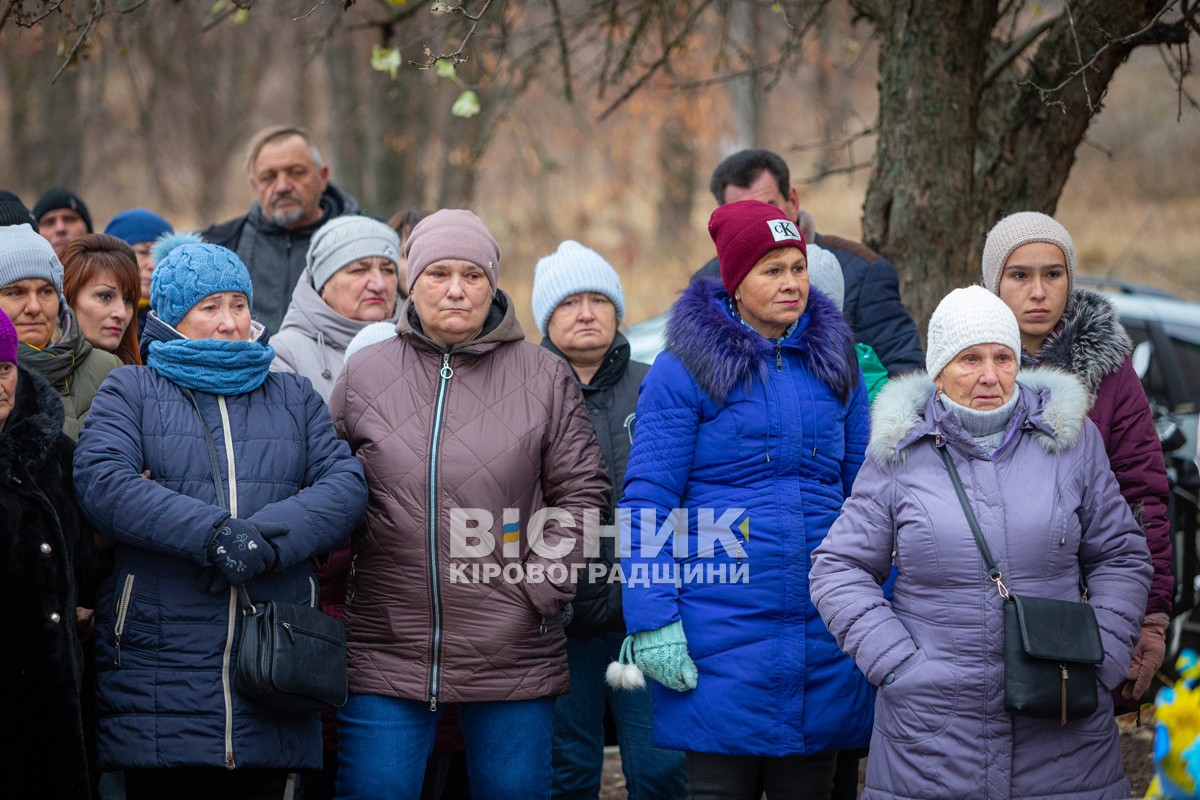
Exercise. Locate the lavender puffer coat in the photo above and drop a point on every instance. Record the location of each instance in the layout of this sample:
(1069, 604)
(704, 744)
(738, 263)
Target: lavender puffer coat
(1047, 502)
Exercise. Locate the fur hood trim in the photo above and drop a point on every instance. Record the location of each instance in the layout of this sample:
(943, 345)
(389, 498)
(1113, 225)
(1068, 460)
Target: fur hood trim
(721, 353)
(1052, 406)
(1090, 343)
(33, 425)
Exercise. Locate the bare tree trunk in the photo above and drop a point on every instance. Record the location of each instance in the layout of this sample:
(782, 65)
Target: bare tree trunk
(919, 199)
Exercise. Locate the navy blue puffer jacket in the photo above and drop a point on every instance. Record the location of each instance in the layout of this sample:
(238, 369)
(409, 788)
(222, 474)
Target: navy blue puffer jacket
(165, 692)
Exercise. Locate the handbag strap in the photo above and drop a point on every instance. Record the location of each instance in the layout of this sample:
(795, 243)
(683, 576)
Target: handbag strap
(993, 571)
(215, 464)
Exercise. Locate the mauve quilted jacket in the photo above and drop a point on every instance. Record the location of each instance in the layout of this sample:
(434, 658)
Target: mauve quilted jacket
(1047, 504)
(493, 424)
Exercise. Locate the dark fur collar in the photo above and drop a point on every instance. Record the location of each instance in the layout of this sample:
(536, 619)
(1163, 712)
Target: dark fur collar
(33, 426)
(1090, 342)
(720, 352)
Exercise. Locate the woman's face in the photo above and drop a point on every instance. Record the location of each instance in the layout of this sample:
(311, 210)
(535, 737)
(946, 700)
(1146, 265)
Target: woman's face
(103, 311)
(981, 377)
(364, 290)
(452, 298)
(8, 390)
(1034, 285)
(774, 293)
(145, 263)
(221, 315)
(583, 326)
(32, 305)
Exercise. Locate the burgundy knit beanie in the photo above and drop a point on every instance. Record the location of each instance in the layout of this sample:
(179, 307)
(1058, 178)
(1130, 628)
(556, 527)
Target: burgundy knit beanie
(8, 340)
(746, 231)
(451, 233)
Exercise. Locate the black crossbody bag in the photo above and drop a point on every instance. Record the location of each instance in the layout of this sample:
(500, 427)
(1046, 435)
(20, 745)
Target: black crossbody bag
(1051, 647)
(291, 657)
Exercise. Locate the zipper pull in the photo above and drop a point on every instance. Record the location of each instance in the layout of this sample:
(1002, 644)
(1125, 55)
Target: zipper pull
(447, 371)
(778, 357)
(1063, 667)
(287, 627)
(433, 702)
(117, 651)
(543, 627)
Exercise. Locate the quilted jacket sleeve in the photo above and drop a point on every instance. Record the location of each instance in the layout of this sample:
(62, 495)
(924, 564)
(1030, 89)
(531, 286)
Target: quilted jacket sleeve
(848, 571)
(111, 490)
(334, 497)
(1137, 462)
(660, 461)
(573, 482)
(1115, 559)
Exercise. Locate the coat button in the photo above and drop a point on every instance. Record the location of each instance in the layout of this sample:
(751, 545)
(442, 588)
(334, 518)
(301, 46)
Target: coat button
(55, 617)
(891, 678)
(45, 548)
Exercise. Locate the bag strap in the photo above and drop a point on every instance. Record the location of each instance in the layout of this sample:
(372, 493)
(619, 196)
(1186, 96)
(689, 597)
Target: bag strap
(215, 464)
(993, 571)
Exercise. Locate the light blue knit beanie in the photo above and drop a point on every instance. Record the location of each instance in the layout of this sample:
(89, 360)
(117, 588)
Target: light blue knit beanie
(24, 253)
(825, 273)
(572, 269)
(189, 272)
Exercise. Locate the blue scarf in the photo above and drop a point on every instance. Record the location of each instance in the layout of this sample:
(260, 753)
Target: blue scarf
(212, 365)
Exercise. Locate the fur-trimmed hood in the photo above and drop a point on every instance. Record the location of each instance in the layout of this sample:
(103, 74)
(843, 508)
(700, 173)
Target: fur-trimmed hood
(33, 425)
(720, 352)
(1089, 341)
(1052, 405)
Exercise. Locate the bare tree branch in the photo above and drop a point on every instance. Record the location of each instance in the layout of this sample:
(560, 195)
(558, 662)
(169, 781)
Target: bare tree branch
(96, 9)
(457, 56)
(1014, 50)
(564, 52)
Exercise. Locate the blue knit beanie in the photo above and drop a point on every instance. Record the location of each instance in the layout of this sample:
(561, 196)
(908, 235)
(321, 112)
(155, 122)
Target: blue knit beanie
(138, 225)
(572, 269)
(188, 273)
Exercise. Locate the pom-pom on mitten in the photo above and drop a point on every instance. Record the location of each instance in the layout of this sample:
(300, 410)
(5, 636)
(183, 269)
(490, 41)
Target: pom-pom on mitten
(623, 673)
(662, 654)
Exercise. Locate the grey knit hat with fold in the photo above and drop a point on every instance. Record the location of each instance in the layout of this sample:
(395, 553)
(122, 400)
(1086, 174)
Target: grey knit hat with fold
(1018, 230)
(572, 269)
(965, 318)
(344, 240)
(25, 253)
(825, 273)
(452, 233)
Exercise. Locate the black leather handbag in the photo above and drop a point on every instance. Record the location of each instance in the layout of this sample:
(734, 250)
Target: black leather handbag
(292, 658)
(1051, 647)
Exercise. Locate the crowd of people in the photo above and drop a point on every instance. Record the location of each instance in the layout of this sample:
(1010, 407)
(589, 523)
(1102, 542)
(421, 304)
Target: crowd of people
(315, 405)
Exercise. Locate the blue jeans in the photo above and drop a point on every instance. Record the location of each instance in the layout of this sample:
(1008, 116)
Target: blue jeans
(384, 743)
(650, 773)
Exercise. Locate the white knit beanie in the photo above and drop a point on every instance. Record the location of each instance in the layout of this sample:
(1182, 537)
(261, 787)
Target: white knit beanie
(571, 269)
(825, 273)
(1017, 230)
(344, 240)
(964, 318)
(371, 334)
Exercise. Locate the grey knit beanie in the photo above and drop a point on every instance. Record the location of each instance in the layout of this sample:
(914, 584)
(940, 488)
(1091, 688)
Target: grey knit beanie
(572, 269)
(1017, 230)
(344, 240)
(27, 254)
(964, 318)
(451, 233)
(825, 273)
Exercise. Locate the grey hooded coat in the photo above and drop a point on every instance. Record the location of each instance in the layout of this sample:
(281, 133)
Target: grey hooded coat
(1048, 504)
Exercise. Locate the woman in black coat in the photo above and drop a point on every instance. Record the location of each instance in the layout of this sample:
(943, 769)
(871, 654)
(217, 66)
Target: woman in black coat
(47, 566)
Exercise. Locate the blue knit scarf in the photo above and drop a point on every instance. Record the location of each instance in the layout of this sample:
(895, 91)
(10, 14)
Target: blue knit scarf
(214, 366)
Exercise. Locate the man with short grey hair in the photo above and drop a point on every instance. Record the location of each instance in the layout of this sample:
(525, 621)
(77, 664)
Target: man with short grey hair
(293, 198)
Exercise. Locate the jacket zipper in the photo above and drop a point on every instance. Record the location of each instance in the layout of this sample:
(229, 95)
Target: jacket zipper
(435, 600)
(122, 610)
(231, 625)
(779, 356)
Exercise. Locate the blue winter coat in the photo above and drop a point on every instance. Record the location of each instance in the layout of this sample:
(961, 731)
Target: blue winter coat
(728, 420)
(1048, 506)
(165, 694)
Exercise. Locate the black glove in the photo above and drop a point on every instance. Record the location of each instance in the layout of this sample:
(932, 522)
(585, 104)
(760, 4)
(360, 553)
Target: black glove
(240, 551)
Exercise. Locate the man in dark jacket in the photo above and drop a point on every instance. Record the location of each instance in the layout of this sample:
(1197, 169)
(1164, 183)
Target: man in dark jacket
(294, 197)
(872, 303)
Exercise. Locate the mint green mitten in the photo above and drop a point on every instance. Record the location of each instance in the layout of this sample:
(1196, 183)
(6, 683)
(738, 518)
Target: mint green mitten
(662, 654)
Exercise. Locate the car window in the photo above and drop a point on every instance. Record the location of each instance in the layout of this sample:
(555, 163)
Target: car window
(1154, 381)
(1186, 342)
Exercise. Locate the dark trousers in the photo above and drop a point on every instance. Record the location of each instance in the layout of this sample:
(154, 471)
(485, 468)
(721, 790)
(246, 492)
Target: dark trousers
(845, 779)
(207, 783)
(711, 776)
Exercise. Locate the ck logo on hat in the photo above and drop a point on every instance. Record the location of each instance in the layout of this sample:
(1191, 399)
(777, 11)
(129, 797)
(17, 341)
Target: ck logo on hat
(782, 230)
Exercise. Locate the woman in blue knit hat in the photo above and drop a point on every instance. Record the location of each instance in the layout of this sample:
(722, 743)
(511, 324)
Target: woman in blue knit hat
(211, 474)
